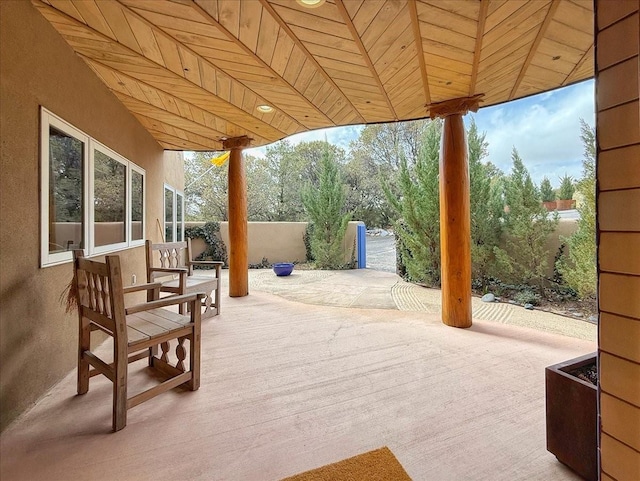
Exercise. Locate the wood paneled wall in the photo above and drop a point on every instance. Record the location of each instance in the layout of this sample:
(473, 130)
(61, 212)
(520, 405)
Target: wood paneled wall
(618, 128)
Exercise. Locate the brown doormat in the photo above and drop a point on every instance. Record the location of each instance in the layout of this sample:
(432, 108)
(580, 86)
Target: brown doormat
(377, 465)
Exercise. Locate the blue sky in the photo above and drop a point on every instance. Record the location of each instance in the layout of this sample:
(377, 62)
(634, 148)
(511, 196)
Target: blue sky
(544, 128)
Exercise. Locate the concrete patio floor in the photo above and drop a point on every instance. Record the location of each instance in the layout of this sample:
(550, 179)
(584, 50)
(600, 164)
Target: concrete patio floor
(289, 385)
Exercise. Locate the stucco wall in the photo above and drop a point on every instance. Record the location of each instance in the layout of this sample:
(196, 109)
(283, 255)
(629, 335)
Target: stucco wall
(277, 241)
(38, 341)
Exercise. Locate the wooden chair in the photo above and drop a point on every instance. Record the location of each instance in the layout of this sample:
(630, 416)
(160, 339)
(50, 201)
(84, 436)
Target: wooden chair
(136, 332)
(174, 258)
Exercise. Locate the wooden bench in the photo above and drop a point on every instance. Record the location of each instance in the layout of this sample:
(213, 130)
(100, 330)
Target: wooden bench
(174, 259)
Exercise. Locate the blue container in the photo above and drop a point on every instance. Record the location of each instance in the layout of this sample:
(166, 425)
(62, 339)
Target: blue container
(283, 268)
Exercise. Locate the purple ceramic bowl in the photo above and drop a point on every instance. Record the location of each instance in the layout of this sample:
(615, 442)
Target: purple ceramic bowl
(283, 268)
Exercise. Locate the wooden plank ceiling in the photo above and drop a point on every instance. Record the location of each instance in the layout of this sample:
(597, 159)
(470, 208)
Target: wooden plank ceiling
(194, 71)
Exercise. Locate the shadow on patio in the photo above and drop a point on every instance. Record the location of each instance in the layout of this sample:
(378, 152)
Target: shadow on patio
(289, 386)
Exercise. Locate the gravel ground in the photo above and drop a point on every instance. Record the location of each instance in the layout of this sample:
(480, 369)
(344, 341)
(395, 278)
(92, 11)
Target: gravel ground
(381, 253)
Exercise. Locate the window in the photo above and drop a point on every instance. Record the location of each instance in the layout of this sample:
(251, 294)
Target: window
(173, 215)
(92, 198)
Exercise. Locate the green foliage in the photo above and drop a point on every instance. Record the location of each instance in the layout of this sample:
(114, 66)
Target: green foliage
(325, 207)
(528, 226)
(527, 296)
(567, 188)
(109, 179)
(206, 188)
(418, 208)
(65, 177)
(210, 232)
(263, 264)
(546, 190)
(306, 238)
(487, 209)
(375, 160)
(579, 270)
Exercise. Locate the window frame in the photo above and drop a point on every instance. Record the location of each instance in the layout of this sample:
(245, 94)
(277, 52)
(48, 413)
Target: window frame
(47, 259)
(135, 168)
(174, 218)
(93, 249)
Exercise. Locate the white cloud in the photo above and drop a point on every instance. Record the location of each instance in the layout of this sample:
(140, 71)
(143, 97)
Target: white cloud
(545, 129)
(339, 136)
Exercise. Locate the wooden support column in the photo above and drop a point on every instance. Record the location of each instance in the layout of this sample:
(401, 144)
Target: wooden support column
(238, 240)
(455, 213)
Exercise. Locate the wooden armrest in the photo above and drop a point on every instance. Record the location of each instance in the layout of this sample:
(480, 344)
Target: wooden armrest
(173, 270)
(166, 301)
(207, 263)
(142, 287)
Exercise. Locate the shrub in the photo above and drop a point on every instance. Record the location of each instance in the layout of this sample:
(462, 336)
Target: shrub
(418, 208)
(527, 296)
(210, 232)
(528, 226)
(325, 207)
(578, 270)
(306, 238)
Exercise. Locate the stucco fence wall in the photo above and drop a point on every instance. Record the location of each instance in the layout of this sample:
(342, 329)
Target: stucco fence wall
(283, 241)
(277, 241)
(565, 228)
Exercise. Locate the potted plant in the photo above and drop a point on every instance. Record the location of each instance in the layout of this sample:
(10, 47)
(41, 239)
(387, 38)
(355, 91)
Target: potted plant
(572, 414)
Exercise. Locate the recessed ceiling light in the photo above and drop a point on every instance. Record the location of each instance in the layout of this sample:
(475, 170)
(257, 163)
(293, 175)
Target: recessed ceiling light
(310, 3)
(265, 109)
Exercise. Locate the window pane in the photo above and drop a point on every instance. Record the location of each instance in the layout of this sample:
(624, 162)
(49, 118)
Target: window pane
(65, 192)
(137, 201)
(179, 205)
(109, 199)
(168, 215)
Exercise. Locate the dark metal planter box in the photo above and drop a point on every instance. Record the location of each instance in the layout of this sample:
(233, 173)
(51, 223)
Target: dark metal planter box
(572, 417)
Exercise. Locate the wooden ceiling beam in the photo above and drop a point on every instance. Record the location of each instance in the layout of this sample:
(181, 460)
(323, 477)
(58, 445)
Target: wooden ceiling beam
(262, 63)
(482, 18)
(365, 55)
(165, 111)
(157, 29)
(534, 47)
(417, 36)
(267, 6)
(123, 48)
(578, 66)
(134, 105)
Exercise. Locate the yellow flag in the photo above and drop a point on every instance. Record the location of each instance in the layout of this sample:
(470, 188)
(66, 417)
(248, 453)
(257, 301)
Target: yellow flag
(219, 161)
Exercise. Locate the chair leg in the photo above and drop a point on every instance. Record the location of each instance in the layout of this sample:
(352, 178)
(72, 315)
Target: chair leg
(194, 352)
(217, 294)
(120, 387)
(153, 352)
(84, 344)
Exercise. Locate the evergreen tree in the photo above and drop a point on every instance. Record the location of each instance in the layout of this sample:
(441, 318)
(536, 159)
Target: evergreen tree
(579, 271)
(418, 209)
(487, 210)
(528, 226)
(567, 188)
(546, 190)
(325, 207)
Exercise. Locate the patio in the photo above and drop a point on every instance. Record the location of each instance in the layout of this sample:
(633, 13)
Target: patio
(288, 386)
